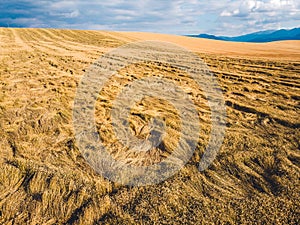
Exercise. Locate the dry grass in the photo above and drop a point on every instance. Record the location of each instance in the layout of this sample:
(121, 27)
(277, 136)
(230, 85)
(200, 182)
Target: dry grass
(286, 50)
(45, 180)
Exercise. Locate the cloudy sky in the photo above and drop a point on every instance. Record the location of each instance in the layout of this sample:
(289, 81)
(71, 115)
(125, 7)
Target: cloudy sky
(220, 17)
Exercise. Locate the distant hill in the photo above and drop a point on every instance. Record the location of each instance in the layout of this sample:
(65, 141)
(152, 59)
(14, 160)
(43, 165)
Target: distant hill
(261, 36)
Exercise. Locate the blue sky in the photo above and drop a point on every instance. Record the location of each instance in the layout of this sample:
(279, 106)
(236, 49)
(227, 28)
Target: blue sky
(224, 17)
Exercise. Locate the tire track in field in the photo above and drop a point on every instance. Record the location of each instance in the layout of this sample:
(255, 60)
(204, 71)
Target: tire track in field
(118, 36)
(71, 45)
(261, 95)
(44, 44)
(59, 47)
(20, 41)
(93, 38)
(78, 50)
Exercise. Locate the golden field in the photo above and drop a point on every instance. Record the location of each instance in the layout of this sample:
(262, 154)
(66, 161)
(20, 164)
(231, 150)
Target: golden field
(45, 180)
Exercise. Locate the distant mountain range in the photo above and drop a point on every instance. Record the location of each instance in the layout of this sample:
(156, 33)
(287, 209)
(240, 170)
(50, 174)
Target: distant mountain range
(261, 36)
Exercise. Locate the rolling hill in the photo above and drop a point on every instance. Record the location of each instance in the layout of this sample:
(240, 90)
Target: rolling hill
(44, 178)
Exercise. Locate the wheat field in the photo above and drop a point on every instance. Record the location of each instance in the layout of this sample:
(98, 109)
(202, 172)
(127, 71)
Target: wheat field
(45, 180)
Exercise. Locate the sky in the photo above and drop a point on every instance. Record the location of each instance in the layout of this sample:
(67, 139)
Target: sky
(219, 17)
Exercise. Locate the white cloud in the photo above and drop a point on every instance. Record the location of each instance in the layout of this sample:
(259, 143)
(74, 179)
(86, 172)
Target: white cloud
(268, 7)
(261, 14)
(226, 17)
(72, 14)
